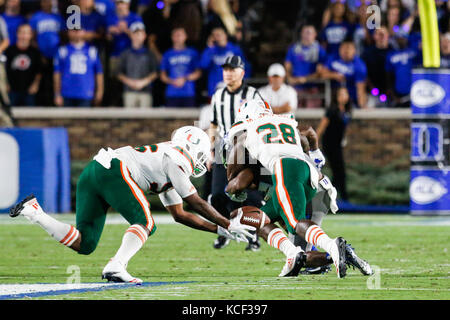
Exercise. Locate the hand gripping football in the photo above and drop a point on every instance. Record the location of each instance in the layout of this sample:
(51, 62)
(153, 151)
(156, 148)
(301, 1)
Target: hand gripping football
(251, 216)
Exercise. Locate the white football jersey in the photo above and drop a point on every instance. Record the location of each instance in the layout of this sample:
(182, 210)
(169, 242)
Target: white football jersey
(161, 168)
(270, 138)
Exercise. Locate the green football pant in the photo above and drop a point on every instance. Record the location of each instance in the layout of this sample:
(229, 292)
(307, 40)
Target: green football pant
(292, 191)
(98, 189)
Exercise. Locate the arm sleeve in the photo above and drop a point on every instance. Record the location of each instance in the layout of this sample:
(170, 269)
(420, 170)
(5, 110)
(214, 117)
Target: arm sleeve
(179, 178)
(170, 198)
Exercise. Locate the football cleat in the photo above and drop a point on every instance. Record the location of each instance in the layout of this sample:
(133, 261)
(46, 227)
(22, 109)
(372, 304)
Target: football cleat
(252, 245)
(317, 270)
(221, 242)
(356, 262)
(27, 207)
(294, 263)
(338, 254)
(114, 271)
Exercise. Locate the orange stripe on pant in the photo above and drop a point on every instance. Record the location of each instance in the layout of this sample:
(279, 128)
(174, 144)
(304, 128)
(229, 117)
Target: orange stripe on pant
(280, 183)
(142, 200)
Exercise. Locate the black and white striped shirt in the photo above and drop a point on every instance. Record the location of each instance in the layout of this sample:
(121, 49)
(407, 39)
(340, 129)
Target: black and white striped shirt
(225, 105)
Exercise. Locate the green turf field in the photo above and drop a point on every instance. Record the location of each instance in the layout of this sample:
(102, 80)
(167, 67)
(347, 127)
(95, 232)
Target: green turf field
(410, 255)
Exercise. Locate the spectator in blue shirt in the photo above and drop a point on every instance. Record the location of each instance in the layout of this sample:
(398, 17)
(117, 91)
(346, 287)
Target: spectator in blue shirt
(47, 26)
(349, 69)
(301, 65)
(180, 70)
(105, 7)
(213, 57)
(78, 73)
(399, 65)
(13, 19)
(336, 29)
(118, 26)
(91, 21)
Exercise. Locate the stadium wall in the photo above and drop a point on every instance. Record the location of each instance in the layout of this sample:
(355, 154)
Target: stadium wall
(375, 137)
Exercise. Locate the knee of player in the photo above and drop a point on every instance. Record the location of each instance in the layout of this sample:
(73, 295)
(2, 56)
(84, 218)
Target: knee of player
(87, 246)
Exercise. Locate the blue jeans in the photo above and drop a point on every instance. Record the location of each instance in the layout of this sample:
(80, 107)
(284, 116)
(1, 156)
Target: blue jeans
(73, 102)
(180, 102)
(21, 99)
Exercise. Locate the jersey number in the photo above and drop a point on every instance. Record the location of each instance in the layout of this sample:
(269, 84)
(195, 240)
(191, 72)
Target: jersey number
(152, 148)
(286, 132)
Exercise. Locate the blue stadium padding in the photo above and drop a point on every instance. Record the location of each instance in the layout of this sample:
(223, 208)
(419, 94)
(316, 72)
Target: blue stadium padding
(345, 206)
(430, 151)
(44, 166)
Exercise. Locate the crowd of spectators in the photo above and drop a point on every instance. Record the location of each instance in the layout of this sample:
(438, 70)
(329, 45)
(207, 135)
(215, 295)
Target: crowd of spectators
(143, 53)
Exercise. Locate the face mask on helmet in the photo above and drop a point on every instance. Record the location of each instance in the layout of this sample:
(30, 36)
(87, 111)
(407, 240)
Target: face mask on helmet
(196, 142)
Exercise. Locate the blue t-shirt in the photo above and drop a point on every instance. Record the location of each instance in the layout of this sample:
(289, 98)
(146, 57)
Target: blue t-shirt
(401, 63)
(47, 27)
(355, 71)
(212, 60)
(304, 59)
(92, 22)
(78, 67)
(121, 41)
(180, 63)
(13, 23)
(333, 34)
(105, 7)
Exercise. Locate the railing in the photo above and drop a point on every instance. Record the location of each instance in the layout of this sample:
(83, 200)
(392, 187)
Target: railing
(178, 113)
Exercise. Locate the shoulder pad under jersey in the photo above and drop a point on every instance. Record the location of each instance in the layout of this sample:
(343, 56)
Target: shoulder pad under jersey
(180, 157)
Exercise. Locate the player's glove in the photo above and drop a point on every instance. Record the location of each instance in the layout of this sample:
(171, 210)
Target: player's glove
(318, 158)
(331, 192)
(221, 231)
(241, 231)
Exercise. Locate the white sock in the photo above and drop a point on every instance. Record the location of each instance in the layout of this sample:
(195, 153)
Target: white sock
(132, 241)
(61, 232)
(316, 236)
(280, 241)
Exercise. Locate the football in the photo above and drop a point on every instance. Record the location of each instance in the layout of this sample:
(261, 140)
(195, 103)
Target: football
(251, 216)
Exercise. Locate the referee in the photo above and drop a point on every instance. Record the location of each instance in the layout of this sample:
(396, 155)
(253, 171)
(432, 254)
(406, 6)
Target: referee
(225, 104)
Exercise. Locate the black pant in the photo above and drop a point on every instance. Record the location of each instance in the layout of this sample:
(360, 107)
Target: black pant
(221, 202)
(335, 156)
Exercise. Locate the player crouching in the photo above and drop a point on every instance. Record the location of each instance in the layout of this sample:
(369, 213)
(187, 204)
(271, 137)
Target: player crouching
(117, 178)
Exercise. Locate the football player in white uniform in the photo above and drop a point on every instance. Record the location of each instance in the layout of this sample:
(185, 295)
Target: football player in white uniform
(275, 142)
(249, 176)
(120, 179)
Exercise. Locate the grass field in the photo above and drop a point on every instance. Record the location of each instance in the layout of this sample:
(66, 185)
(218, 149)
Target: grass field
(410, 255)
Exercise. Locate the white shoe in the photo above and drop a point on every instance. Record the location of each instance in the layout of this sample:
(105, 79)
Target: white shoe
(28, 207)
(115, 271)
(294, 263)
(338, 255)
